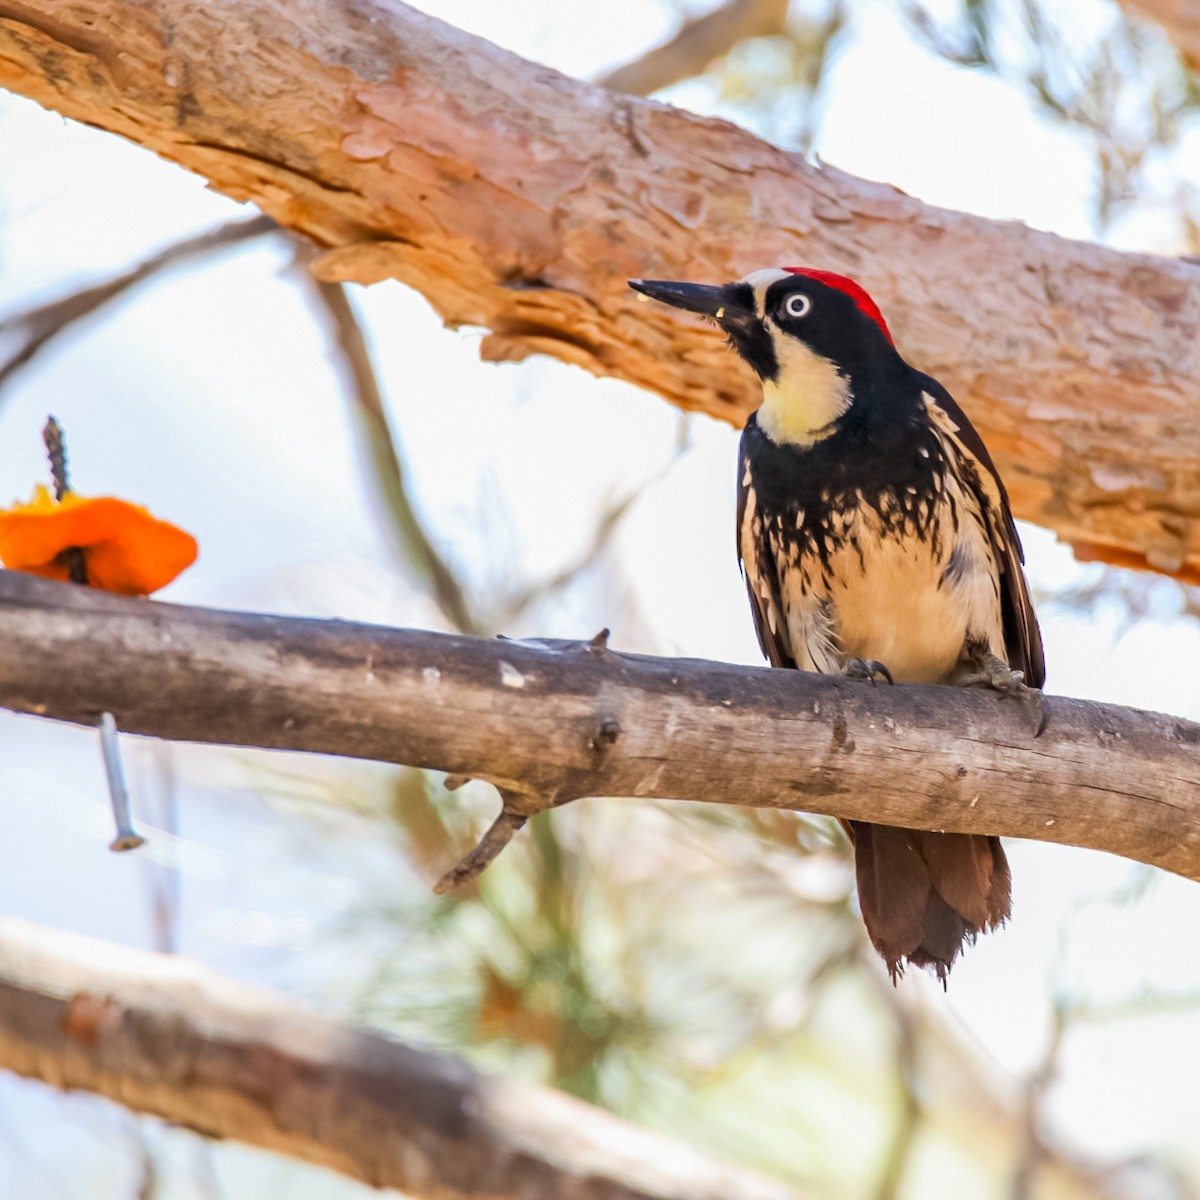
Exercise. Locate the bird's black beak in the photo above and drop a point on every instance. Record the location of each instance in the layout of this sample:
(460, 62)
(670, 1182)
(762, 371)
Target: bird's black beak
(725, 303)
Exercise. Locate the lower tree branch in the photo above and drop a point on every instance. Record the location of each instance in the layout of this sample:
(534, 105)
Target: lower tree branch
(550, 722)
(165, 1036)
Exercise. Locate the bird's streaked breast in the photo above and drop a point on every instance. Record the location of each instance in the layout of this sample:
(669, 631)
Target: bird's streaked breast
(898, 577)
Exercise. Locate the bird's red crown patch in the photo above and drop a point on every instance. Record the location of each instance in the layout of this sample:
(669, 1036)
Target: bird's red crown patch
(857, 294)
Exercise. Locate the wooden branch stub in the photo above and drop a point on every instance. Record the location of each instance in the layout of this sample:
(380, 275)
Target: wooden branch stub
(499, 834)
(533, 717)
(520, 200)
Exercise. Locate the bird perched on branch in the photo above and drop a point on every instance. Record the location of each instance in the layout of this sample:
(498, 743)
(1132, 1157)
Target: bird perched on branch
(876, 541)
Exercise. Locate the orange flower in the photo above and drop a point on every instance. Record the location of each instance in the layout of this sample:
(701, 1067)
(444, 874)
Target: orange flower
(124, 547)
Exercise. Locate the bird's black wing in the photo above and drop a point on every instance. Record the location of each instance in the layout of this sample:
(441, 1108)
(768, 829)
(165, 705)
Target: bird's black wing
(759, 569)
(1022, 637)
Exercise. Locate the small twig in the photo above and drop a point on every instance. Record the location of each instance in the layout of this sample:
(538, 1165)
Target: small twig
(609, 520)
(36, 327)
(607, 524)
(163, 877)
(127, 837)
(501, 832)
(1031, 1147)
(150, 1180)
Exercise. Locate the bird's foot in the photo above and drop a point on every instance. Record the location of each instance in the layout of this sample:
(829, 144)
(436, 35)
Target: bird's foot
(865, 668)
(993, 672)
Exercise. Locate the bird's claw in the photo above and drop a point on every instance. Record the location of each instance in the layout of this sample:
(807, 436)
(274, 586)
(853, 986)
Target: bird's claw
(993, 672)
(996, 674)
(865, 668)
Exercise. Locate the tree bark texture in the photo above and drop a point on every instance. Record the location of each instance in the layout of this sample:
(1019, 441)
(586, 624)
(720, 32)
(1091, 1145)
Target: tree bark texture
(520, 200)
(553, 722)
(167, 1037)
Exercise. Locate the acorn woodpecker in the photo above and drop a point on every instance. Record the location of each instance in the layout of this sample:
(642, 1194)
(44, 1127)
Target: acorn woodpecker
(876, 540)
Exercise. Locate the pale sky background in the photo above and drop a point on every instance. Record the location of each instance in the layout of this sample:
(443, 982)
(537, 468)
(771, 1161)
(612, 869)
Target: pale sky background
(210, 397)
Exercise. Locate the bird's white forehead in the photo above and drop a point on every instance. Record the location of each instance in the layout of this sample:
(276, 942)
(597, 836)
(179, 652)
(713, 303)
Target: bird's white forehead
(759, 281)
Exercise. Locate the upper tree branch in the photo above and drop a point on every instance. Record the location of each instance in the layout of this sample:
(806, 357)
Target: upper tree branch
(165, 1036)
(548, 724)
(519, 200)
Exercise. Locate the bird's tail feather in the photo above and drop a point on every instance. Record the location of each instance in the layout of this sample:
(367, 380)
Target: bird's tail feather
(924, 895)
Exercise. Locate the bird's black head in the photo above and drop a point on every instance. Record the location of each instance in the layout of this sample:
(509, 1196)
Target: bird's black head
(815, 339)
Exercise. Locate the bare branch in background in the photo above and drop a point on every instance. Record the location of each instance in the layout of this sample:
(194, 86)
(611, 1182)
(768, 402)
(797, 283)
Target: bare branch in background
(907, 1030)
(168, 1037)
(1113, 84)
(699, 41)
(389, 473)
(557, 721)
(34, 328)
(607, 523)
(520, 200)
(1032, 1150)
(419, 549)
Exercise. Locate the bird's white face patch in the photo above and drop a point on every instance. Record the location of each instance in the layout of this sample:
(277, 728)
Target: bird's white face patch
(809, 393)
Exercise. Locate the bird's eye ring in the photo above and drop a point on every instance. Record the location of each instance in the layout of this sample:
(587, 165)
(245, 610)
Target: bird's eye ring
(797, 305)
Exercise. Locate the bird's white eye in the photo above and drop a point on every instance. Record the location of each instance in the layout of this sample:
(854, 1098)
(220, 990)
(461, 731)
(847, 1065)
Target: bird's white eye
(797, 305)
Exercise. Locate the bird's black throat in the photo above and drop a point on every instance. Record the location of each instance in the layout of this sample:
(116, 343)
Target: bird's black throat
(883, 453)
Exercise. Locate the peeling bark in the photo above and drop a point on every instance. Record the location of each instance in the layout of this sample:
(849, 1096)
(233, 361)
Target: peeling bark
(548, 723)
(519, 200)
